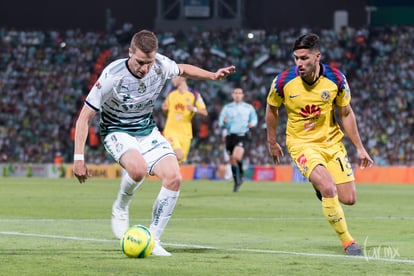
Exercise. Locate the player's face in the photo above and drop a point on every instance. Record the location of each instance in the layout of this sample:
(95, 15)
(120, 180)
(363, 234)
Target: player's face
(176, 81)
(140, 63)
(307, 62)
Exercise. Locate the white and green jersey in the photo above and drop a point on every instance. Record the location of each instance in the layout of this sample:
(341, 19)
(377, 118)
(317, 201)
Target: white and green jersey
(125, 102)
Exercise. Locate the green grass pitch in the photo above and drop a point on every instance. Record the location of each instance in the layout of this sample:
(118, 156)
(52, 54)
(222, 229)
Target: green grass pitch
(61, 227)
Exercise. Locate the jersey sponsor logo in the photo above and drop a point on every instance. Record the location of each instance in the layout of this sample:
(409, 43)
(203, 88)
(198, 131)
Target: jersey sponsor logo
(119, 147)
(308, 126)
(136, 106)
(310, 111)
(179, 107)
(302, 160)
(126, 97)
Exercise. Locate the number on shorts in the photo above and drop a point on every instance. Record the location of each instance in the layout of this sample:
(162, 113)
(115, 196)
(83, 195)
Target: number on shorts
(347, 163)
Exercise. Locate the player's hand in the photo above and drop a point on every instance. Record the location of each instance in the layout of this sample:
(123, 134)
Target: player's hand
(191, 108)
(222, 73)
(80, 171)
(275, 151)
(364, 159)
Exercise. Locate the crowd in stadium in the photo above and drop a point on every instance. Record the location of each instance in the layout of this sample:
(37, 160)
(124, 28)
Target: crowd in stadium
(45, 75)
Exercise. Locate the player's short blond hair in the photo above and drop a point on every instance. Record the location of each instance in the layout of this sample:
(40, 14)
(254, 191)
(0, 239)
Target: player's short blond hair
(144, 40)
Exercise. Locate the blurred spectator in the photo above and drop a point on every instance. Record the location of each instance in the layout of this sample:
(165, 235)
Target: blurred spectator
(44, 76)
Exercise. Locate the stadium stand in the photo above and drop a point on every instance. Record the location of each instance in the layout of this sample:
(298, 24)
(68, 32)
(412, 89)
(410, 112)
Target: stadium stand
(45, 75)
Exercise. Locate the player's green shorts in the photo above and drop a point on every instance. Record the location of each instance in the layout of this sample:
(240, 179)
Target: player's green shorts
(334, 158)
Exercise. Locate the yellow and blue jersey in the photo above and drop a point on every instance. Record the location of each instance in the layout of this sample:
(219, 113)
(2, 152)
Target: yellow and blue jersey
(311, 107)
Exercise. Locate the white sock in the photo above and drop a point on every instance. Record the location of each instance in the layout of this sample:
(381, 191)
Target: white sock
(127, 189)
(162, 211)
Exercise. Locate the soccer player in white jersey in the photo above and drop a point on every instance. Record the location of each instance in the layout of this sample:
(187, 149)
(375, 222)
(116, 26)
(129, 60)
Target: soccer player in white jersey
(124, 96)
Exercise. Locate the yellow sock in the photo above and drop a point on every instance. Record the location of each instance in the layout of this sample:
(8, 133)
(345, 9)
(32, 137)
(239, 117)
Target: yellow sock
(334, 214)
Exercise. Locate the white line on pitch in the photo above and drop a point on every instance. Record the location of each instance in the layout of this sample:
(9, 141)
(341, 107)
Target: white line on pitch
(266, 251)
(54, 237)
(215, 219)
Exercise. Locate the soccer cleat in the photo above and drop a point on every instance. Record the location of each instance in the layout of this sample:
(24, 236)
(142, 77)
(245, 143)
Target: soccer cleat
(119, 221)
(237, 186)
(353, 249)
(238, 183)
(158, 250)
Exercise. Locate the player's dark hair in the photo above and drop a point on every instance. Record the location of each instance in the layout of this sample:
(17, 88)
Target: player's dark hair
(308, 41)
(144, 40)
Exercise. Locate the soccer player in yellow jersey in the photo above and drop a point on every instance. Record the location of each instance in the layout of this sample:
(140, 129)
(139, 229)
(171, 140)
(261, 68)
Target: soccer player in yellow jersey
(180, 106)
(310, 92)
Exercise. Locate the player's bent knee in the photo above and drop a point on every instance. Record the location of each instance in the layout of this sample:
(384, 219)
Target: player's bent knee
(173, 181)
(348, 200)
(138, 174)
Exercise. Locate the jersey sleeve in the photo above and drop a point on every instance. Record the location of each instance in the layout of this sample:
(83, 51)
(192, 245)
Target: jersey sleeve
(253, 116)
(100, 91)
(221, 117)
(344, 94)
(275, 95)
(199, 102)
(169, 67)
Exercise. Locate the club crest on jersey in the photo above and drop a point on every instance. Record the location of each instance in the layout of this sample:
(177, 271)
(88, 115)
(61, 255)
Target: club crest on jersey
(98, 85)
(325, 96)
(142, 88)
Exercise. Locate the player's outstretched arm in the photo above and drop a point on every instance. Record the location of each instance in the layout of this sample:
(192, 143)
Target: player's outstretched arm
(194, 72)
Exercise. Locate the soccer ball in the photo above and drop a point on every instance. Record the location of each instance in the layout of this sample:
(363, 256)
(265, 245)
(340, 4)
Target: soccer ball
(137, 242)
